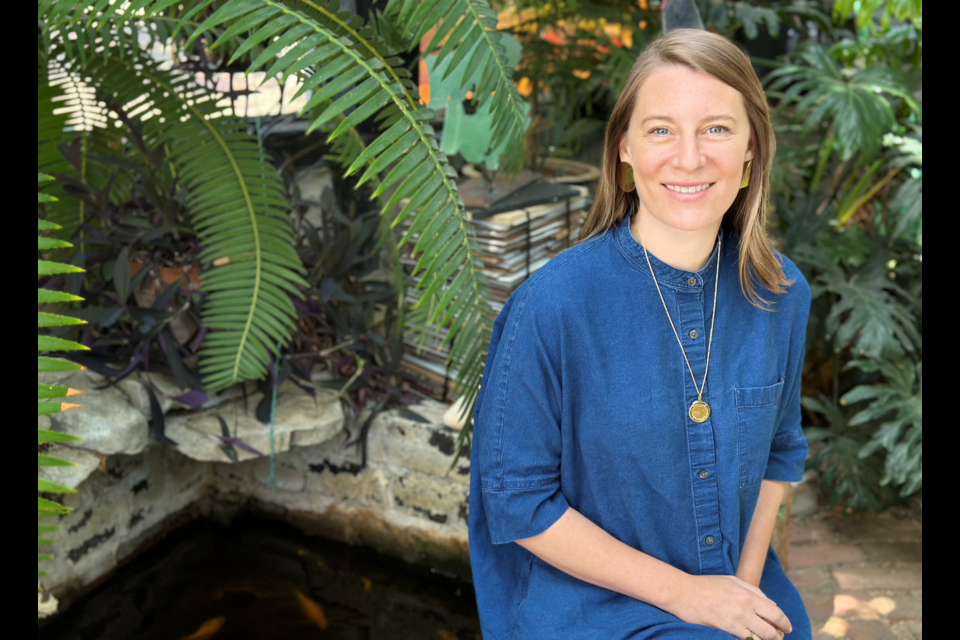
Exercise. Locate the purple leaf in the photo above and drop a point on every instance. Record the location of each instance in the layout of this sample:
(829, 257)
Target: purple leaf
(237, 442)
(201, 334)
(193, 399)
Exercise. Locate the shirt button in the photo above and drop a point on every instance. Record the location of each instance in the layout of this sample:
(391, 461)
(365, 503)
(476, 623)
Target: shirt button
(704, 475)
(694, 334)
(692, 282)
(711, 541)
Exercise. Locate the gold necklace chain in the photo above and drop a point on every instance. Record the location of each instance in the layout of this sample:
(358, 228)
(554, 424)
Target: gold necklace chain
(699, 411)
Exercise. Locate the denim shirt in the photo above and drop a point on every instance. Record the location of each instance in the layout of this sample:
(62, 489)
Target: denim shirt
(584, 405)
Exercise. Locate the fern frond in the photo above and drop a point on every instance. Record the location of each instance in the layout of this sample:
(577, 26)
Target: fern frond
(238, 205)
(351, 65)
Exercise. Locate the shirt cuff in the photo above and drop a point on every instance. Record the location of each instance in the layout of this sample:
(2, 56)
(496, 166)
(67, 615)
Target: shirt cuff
(788, 461)
(520, 514)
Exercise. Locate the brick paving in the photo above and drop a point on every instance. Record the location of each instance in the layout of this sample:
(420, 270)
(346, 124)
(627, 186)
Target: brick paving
(862, 577)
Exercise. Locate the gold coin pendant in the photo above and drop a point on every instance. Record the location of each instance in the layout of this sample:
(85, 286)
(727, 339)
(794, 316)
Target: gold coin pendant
(700, 412)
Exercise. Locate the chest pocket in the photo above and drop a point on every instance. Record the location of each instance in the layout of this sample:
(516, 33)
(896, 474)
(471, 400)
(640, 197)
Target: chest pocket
(757, 412)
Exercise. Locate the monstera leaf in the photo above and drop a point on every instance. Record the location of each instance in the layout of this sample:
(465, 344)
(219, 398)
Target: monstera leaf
(857, 105)
(896, 405)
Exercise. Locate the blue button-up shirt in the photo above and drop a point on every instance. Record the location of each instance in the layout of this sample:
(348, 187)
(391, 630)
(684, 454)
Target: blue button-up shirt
(585, 405)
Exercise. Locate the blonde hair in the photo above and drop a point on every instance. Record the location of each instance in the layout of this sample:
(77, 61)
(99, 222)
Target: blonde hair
(715, 55)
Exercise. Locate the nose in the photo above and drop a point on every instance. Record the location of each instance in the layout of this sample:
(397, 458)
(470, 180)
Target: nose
(689, 156)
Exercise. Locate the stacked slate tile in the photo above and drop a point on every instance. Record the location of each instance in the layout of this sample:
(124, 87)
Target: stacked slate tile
(520, 226)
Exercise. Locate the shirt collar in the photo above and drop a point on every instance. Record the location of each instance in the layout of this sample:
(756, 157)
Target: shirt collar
(667, 276)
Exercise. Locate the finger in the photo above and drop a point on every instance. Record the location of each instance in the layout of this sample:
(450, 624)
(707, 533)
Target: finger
(763, 630)
(772, 615)
(781, 632)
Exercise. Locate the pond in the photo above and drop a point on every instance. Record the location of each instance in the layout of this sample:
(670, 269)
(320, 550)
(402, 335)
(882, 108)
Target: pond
(263, 580)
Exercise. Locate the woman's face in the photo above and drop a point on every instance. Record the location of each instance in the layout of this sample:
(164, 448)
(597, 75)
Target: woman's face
(688, 141)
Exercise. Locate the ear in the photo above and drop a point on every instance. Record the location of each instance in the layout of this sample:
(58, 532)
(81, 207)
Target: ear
(624, 151)
(751, 151)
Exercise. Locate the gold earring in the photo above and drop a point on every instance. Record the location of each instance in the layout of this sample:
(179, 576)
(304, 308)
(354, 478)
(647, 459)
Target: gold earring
(746, 176)
(625, 179)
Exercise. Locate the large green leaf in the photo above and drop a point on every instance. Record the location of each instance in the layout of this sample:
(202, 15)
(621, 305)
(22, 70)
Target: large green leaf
(324, 39)
(45, 393)
(871, 315)
(239, 208)
(857, 106)
(896, 407)
(469, 47)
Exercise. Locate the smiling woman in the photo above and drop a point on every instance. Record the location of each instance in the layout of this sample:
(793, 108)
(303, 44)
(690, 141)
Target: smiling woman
(640, 409)
(701, 130)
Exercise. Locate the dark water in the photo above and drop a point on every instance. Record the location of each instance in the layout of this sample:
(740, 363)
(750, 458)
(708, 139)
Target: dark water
(264, 580)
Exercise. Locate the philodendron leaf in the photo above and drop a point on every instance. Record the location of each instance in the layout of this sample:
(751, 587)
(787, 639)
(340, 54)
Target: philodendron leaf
(43, 528)
(45, 486)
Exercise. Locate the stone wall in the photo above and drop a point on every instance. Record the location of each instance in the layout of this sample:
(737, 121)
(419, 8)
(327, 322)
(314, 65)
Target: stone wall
(406, 501)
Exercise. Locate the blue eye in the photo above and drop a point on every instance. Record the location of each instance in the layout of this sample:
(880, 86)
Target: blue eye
(661, 131)
(717, 129)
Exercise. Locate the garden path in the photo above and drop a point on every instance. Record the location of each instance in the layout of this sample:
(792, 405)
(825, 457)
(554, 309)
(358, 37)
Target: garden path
(861, 577)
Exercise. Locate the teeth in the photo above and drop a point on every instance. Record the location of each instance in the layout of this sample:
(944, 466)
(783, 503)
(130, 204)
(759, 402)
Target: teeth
(696, 189)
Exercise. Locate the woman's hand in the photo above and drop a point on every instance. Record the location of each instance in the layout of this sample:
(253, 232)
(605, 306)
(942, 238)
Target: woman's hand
(731, 605)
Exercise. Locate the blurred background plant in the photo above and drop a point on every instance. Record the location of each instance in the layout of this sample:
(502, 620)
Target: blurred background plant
(849, 190)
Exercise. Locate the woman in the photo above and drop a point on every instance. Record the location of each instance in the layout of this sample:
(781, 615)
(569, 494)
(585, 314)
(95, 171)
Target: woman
(640, 412)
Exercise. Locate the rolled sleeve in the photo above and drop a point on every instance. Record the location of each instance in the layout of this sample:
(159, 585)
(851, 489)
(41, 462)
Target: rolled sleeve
(789, 450)
(518, 430)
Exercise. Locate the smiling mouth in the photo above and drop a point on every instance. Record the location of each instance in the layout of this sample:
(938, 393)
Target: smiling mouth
(694, 189)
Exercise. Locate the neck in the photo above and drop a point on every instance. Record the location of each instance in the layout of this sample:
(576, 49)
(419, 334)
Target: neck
(683, 250)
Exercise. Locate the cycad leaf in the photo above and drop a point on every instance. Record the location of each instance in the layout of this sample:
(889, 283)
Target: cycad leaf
(46, 508)
(50, 437)
(46, 343)
(237, 202)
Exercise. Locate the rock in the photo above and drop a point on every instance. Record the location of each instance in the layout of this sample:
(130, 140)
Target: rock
(106, 422)
(44, 423)
(454, 418)
(426, 447)
(46, 605)
(168, 389)
(70, 477)
(285, 477)
(197, 433)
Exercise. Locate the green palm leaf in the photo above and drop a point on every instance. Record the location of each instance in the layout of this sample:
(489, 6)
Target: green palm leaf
(239, 209)
(349, 63)
(45, 393)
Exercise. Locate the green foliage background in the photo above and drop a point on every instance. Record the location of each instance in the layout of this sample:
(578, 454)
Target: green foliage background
(848, 180)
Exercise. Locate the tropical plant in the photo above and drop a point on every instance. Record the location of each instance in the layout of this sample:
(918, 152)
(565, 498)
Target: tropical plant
(850, 205)
(352, 70)
(51, 398)
(237, 205)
